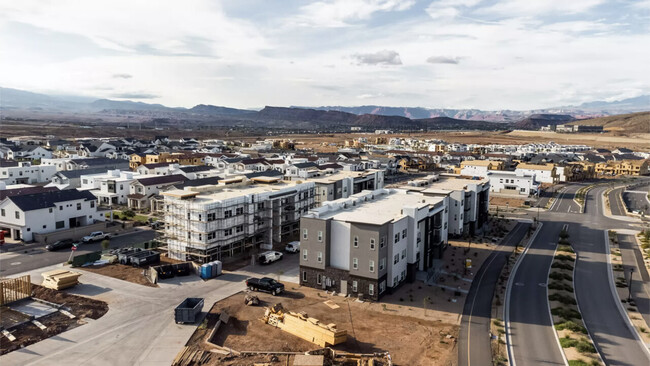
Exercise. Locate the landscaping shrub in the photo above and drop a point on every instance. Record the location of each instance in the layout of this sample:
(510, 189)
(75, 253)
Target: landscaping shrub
(564, 257)
(560, 265)
(562, 298)
(566, 314)
(572, 326)
(584, 346)
(567, 342)
(565, 248)
(560, 286)
(560, 276)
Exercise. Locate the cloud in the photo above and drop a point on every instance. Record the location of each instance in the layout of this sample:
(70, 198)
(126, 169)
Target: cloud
(134, 95)
(443, 60)
(341, 13)
(122, 76)
(518, 8)
(384, 57)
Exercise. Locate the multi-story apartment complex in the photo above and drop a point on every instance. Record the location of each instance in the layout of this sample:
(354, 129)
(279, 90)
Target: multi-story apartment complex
(623, 167)
(468, 202)
(371, 242)
(346, 183)
(221, 221)
(25, 173)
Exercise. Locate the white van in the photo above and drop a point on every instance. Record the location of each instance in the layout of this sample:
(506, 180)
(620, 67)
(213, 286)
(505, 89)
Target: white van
(292, 247)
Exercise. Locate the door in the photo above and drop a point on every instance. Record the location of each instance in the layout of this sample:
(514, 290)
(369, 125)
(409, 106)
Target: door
(344, 287)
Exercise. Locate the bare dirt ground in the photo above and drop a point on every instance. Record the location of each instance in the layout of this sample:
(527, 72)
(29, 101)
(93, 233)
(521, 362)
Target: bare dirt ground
(411, 340)
(121, 272)
(81, 307)
(504, 201)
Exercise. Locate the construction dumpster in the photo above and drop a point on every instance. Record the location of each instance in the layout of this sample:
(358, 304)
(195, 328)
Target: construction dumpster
(187, 311)
(182, 269)
(146, 257)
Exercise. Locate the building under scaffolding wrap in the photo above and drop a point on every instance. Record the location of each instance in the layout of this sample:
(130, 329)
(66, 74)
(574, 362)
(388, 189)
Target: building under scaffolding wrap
(218, 222)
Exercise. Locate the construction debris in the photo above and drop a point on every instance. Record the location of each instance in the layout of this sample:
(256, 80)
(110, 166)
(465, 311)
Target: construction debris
(251, 300)
(60, 279)
(301, 325)
(331, 304)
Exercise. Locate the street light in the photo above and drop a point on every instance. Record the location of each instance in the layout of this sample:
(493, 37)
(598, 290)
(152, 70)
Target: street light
(629, 286)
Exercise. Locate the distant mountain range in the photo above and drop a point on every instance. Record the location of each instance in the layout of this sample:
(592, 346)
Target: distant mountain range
(18, 103)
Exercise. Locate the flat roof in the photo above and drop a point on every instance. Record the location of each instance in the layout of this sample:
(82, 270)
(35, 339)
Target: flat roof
(383, 208)
(224, 192)
(454, 183)
(331, 178)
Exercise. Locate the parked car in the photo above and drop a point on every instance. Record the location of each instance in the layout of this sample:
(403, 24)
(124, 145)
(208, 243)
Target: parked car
(265, 284)
(292, 247)
(61, 244)
(156, 225)
(94, 236)
(269, 257)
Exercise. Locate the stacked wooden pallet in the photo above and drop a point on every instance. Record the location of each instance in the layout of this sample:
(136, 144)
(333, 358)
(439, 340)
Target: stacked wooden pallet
(309, 329)
(60, 279)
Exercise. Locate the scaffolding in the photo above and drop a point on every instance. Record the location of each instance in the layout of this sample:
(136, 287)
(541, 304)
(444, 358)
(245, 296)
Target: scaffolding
(215, 230)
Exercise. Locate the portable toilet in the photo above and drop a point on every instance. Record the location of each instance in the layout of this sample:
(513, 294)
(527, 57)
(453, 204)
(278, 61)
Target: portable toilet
(213, 270)
(219, 266)
(206, 271)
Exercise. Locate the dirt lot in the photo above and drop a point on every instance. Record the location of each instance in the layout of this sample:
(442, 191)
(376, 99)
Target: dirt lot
(121, 272)
(417, 339)
(504, 201)
(81, 307)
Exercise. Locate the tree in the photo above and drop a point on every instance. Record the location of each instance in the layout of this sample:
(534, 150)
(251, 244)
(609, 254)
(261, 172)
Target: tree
(279, 273)
(106, 244)
(128, 213)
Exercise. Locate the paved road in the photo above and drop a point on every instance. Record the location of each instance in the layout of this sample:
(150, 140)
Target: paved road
(615, 203)
(473, 342)
(632, 258)
(532, 338)
(35, 256)
(636, 200)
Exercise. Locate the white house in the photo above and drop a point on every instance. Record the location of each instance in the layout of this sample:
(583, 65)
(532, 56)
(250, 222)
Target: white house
(544, 173)
(47, 212)
(25, 173)
(512, 183)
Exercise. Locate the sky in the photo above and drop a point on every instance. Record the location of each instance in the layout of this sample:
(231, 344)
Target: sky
(510, 54)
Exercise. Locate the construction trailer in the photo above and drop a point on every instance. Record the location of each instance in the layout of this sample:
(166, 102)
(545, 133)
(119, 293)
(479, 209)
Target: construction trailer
(301, 325)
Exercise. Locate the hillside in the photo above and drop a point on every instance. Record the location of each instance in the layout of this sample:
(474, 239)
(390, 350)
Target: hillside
(629, 123)
(535, 121)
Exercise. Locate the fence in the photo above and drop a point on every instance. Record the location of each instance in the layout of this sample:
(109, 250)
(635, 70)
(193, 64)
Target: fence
(15, 289)
(74, 233)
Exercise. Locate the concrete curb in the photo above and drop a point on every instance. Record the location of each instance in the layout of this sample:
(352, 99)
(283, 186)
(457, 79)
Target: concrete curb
(506, 308)
(550, 315)
(612, 287)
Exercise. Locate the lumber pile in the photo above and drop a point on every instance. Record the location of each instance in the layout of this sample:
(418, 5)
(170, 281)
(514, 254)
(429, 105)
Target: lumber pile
(301, 325)
(190, 356)
(60, 279)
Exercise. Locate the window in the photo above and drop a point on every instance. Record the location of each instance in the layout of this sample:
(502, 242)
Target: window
(382, 264)
(402, 275)
(395, 281)
(44, 226)
(304, 254)
(17, 214)
(227, 232)
(319, 279)
(382, 287)
(240, 228)
(382, 241)
(372, 243)
(371, 266)
(212, 216)
(260, 206)
(355, 263)
(304, 233)
(396, 259)
(92, 204)
(396, 238)
(319, 257)
(371, 289)
(404, 234)
(227, 214)
(320, 236)
(304, 276)
(2, 212)
(212, 235)
(239, 211)
(78, 206)
(403, 253)
(60, 208)
(59, 224)
(355, 242)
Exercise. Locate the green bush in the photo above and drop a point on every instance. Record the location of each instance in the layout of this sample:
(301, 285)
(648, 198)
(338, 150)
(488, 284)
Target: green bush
(568, 342)
(569, 300)
(106, 244)
(572, 326)
(560, 276)
(585, 346)
(583, 363)
(564, 257)
(566, 314)
(565, 248)
(561, 265)
(560, 286)
(564, 234)
(128, 213)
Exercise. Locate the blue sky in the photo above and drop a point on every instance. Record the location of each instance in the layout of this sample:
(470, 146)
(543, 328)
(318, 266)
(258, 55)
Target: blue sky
(510, 54)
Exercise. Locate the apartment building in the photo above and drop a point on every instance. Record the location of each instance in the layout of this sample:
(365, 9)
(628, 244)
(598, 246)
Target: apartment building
(544, 173)
(142, 190)
(25, 173)
(218, 222)
(480, 168)
(343, 184)
(623, 167)
(46, 212)
(468, 202)
(514, 183)
(371, 242)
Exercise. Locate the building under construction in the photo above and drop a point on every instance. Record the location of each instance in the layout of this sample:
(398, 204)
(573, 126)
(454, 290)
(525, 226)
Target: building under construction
(218, 222)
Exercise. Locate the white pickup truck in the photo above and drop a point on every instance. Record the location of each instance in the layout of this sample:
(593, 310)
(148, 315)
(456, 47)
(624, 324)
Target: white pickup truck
(269, 257)
(94, 236)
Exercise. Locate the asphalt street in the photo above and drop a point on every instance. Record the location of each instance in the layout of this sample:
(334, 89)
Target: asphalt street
(636, 200)
(633, 259)
(615, 203)
(34, 256)
(473, 341)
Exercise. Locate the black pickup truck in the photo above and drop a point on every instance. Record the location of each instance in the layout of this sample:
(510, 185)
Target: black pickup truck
(265, 284)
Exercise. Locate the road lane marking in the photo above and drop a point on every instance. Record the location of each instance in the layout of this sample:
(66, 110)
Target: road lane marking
(15, 263)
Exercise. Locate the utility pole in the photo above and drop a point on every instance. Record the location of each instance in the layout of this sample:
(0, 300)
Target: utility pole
(629, 286)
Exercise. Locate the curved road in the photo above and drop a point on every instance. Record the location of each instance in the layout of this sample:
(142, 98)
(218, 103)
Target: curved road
(474, 347)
